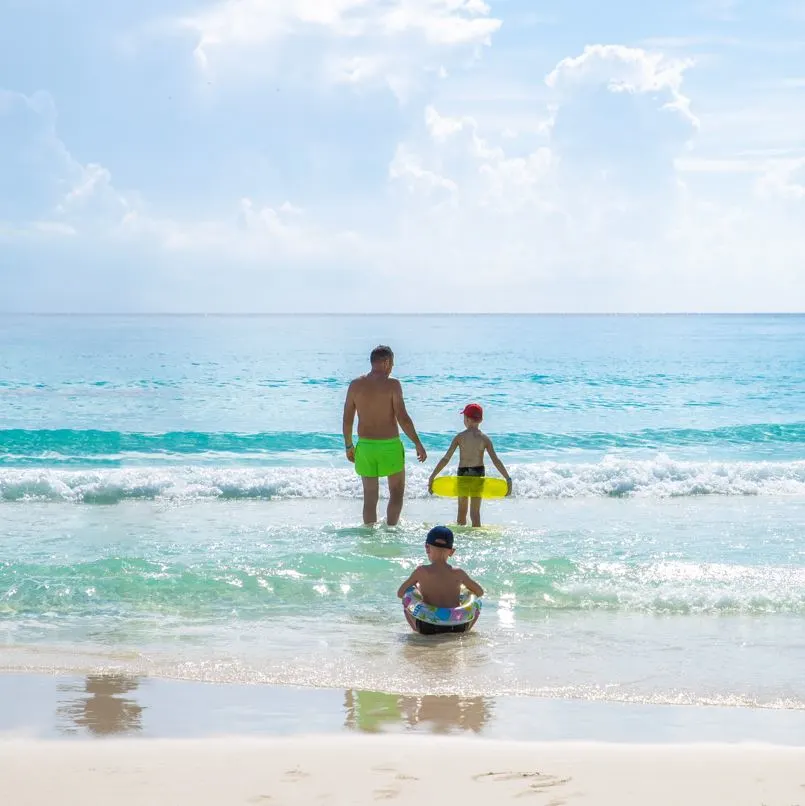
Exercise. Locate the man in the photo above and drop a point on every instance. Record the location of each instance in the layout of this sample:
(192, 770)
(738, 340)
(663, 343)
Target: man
(378, 401)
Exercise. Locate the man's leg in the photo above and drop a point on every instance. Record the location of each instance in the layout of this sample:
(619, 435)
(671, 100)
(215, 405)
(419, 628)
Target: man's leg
(475, 511)
(396, 493)
(371, 492)
(461, 519)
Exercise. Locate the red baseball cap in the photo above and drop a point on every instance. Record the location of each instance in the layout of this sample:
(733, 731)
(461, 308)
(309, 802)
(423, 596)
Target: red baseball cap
(473, 411)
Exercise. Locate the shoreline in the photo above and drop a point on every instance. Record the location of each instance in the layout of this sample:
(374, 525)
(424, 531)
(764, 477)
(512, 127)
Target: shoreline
(72, 708)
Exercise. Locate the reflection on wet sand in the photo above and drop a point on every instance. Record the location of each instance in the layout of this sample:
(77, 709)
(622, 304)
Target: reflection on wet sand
(445, 714)
(371, 711)
(98, 706)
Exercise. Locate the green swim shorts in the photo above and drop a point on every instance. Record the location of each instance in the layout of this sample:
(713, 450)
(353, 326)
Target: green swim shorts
(377, 458)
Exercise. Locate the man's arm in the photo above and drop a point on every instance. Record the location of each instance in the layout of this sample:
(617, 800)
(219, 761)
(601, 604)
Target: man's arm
(412, 580)
(442, 463)
(498, 464)
(405, 421)
(470, 584)
(349, 421)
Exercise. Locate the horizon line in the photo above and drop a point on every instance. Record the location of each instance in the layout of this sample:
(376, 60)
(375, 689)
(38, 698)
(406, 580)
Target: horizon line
(263, 314)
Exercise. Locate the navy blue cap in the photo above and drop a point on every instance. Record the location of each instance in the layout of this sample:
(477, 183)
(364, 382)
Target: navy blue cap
(441, 537)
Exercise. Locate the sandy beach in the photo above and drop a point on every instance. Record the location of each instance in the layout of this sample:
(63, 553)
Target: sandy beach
(405, 770)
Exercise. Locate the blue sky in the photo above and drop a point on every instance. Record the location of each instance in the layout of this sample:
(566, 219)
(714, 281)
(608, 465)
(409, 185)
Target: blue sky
(402, 155)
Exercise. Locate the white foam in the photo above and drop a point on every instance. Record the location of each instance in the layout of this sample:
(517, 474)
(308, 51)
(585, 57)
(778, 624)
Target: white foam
(658, 477)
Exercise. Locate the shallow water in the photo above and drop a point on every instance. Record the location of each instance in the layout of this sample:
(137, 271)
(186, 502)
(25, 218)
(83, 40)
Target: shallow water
(174, 502)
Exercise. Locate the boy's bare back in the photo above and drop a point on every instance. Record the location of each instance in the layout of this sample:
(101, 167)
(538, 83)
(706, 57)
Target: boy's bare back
(472, 444)
(440, 584)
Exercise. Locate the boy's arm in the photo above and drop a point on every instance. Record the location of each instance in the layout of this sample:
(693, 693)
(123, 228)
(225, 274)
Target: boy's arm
(470, 584)
(498, 464)
(405, 421)
(442, 463)
(348, 422)
(412, 580)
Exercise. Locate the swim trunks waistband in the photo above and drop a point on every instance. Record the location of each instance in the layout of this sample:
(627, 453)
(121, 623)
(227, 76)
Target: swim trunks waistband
(378, 458)
(475, 472)
(387, 441)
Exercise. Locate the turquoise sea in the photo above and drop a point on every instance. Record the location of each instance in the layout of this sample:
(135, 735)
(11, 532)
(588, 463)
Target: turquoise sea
(174, 502)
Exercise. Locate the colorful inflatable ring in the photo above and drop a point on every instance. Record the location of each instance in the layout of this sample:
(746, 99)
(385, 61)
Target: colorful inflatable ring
(468, 610)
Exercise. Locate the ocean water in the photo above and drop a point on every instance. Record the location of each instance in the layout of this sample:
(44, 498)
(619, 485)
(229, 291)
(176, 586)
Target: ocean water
(174, 501)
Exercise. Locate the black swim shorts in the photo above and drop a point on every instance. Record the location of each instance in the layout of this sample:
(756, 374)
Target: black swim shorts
(425, 628)
(475, 472)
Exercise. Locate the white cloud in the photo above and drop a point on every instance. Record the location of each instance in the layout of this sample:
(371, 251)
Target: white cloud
(407, 167)
(598, 217)
(250, 233)
(441, 128)
(69, 200)
(346, 41)
(605, 207)
(625, 69)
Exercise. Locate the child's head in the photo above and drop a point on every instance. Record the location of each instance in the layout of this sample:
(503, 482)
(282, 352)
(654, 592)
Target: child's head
(473, 415)
(439, 544)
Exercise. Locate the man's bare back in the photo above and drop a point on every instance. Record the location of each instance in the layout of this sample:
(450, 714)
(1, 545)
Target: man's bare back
(374, 397)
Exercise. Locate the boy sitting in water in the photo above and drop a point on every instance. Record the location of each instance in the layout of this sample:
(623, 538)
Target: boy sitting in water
(439, 583)
(471, 444)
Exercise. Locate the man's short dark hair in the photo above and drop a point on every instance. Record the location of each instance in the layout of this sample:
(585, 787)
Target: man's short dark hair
(381, 353)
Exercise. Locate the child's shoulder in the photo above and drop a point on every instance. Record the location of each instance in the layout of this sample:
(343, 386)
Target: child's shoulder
(470, 433)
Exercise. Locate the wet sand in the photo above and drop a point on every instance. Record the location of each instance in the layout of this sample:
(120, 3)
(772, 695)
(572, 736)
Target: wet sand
(125, 706)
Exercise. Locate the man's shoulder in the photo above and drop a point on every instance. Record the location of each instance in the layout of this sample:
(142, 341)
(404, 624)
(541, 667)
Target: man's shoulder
(391, 386)
(357, 383)
(365, 380)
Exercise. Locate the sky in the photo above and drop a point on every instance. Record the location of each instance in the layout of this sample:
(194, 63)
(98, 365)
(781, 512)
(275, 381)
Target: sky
(402, 156)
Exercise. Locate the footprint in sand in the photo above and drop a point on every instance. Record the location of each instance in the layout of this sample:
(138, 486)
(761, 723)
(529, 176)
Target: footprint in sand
(538, 782)
(386, 794)
(295, 775)
(391, 791)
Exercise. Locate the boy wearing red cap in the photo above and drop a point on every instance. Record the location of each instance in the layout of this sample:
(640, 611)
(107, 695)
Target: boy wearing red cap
(471, 443)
